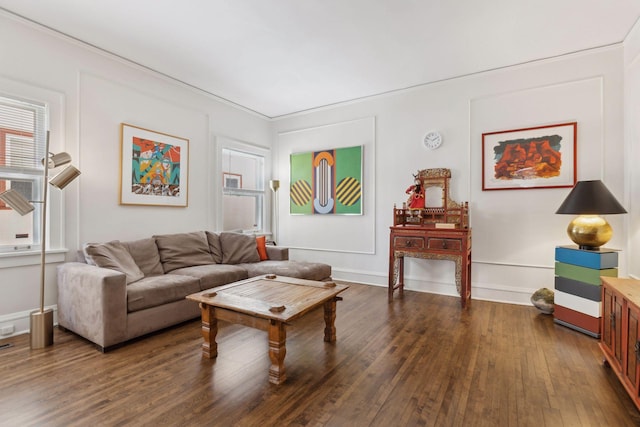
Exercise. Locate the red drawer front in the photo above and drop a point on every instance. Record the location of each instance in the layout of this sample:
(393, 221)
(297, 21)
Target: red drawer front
(584, 321)
(408, 242)
(445, 244)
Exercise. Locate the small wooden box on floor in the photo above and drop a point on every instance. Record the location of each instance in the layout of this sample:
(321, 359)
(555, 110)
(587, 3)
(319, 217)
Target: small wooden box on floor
(578, 294)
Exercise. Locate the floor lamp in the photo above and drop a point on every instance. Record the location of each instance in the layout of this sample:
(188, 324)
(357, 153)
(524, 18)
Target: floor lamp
(275, 184)
(41, 321)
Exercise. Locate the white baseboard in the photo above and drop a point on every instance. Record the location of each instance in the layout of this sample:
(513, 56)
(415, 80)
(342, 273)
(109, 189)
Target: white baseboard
(479, 291)
(19, 323)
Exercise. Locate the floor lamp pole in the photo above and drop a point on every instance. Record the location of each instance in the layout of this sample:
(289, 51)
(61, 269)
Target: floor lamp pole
(41, 321)
(275, 184)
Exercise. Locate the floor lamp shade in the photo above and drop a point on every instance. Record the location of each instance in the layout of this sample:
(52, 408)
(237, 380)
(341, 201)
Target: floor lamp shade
(589, 200)
(58, 159)
(16, 201)
(65, 177)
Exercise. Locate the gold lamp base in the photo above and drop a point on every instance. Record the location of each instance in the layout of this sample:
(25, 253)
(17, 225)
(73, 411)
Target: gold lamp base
(41, 328)
(590, 232)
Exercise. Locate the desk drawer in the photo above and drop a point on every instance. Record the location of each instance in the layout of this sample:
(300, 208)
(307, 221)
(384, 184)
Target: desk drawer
(445, 244)
(412, 242)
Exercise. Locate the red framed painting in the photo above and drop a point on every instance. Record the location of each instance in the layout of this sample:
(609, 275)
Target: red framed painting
(534, 157)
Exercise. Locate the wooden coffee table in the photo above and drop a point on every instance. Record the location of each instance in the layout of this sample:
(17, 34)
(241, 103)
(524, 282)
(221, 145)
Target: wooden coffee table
(266, 302)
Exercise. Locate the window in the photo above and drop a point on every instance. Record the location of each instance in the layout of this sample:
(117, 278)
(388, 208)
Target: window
(22, 146)
(243, 191)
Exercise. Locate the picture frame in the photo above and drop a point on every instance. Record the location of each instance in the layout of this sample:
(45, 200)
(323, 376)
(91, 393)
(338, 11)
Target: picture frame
(154, 168)
(529, 158)
(327, 182)
(231, 180)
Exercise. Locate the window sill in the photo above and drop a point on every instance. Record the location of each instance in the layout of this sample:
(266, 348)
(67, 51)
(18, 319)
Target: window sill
(23, 258)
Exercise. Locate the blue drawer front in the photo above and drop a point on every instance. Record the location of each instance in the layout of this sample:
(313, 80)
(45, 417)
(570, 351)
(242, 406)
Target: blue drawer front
(590, 259)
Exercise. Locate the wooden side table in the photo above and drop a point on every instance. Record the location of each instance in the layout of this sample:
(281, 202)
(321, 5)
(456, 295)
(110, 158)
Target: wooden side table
(429, 242)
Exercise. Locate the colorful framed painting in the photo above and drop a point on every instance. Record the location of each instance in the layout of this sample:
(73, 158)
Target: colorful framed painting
(536, 157)
(326, 182)
(154, 168)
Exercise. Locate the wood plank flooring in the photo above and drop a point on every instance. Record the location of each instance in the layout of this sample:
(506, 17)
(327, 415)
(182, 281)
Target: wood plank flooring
(418, 361)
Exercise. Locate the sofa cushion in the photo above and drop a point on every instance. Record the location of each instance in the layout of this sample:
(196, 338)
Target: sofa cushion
(115, 256)
(183, 250)
(146, 256)
(213, 275)
(158, 290)
(214, 246)
(298, 269)
(238, 248)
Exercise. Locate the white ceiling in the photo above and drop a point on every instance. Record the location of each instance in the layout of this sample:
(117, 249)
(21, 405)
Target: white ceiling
(278, 57)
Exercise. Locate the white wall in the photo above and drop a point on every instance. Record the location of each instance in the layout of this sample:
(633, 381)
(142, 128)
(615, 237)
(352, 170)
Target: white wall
(97, 93)
(514, 231)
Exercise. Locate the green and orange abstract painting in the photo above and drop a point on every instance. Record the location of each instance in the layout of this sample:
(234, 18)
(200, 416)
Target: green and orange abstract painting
(326, 182)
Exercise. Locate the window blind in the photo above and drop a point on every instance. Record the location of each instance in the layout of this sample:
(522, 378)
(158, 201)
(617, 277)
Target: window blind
(22, 135)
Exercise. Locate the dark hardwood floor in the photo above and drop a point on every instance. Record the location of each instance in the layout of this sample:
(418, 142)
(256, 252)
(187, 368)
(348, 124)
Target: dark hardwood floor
(417, 361)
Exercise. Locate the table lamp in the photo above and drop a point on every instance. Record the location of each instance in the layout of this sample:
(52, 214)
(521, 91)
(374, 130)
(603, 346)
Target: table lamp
(589, 200)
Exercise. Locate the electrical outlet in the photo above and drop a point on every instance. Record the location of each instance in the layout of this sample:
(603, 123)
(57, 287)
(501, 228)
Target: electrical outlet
(7, 330)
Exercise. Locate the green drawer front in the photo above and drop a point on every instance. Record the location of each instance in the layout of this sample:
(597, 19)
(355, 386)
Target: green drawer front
(583, 274)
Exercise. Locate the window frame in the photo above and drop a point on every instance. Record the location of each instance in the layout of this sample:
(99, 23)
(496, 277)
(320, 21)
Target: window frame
(34, 174)
(55, 238)
(263, 203)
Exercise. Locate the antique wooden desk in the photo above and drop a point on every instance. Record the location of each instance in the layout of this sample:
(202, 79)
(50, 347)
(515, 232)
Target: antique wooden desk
(439, 233)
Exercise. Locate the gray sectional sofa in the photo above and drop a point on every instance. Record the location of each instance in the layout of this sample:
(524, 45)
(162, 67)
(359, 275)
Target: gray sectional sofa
(117, 291)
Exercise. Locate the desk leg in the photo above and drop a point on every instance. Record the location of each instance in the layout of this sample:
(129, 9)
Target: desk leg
(396, 274)
(400, 261)
(209, 331)
(466, 282)
(330, 320)
(277, 351)
(463, 280)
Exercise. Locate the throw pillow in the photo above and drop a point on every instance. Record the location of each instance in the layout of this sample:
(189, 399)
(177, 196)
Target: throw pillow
(238, 248)
(183, 250)
(214, 246)
(146, 256)
(114, 255)
(261, 243)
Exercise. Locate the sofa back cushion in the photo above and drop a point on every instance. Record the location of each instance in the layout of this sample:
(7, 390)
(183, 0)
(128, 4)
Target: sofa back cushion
(214, 246)
(238, 248)
(183, 250)
(115, 256)
(146, 256)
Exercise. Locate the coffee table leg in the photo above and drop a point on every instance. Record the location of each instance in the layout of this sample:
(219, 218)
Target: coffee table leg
(330, 320)
(277, 351)
(209, 331)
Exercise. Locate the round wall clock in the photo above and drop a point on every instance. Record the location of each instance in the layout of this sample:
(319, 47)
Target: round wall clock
(432, 140)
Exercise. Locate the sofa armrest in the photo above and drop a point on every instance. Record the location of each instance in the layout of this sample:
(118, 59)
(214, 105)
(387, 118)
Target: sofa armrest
(277, 253)
(92, 302)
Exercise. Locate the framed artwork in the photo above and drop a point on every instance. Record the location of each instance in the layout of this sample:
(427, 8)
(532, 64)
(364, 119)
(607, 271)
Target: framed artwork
(154, 168)
(231, 180)
(326, 182)
(536, 157)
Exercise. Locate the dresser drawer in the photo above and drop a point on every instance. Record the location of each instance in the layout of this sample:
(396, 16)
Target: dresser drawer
(445, 244)
(408, 242)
